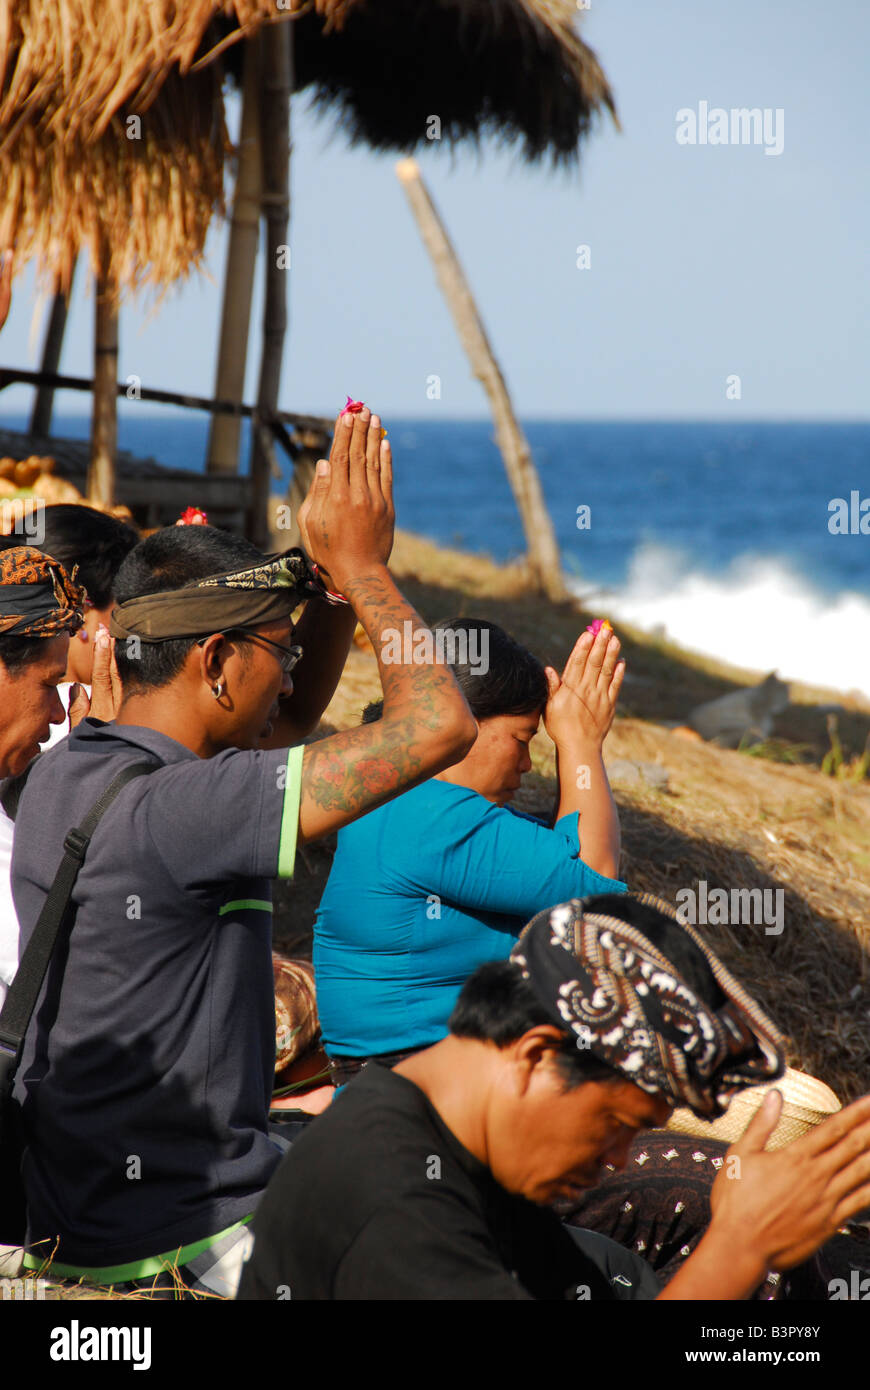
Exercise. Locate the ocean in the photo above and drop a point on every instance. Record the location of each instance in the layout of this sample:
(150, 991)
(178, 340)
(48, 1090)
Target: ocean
(715, 535)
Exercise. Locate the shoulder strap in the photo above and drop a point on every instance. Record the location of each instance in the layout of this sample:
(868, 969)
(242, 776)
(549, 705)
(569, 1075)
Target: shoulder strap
(24, 990)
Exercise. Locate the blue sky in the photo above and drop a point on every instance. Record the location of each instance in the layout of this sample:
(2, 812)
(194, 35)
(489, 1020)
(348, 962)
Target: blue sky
(706, 261)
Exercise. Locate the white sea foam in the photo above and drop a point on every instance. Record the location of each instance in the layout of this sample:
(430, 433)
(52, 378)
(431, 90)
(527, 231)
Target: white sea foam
(758, 613)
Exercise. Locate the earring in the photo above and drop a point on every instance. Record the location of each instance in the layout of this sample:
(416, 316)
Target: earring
(218, 690)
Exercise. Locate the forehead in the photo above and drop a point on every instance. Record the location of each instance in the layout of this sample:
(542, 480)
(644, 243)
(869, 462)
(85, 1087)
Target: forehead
(513, 723)
(278, 631)
(50, 663)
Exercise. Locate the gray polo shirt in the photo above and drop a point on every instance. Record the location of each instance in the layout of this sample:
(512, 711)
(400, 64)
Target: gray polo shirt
(148, 1066)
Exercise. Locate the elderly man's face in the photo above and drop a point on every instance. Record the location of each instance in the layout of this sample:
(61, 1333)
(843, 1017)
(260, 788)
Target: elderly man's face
(30, 704)
(547, 1142)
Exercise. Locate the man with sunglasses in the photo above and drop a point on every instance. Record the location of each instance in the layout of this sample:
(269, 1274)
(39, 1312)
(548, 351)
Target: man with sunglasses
(147, 1070)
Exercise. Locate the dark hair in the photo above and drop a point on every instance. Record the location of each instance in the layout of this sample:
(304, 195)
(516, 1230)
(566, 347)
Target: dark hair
(170, 559)
(79, 535)
(17, 653)
(498, 1005)
(514, 683)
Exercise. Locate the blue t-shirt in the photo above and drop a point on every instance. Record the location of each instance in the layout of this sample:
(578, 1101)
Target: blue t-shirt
(421, 892)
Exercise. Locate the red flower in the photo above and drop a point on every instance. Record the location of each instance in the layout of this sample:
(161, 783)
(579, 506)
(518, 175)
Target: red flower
(192, 516)
(353, 406)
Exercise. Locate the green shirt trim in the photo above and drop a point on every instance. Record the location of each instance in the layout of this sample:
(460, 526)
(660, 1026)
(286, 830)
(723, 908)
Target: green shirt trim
(138, 1269)
(290, 815)
(240, 904)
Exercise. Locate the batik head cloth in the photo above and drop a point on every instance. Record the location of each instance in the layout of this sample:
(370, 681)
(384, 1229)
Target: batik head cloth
(38, 598)
(605, 981)
(265, 593)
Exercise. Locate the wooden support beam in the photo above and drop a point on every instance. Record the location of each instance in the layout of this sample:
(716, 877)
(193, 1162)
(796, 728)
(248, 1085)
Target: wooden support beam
(11, 376)
(277, 84)
(223, 444)
(104, 418)
(40, 420)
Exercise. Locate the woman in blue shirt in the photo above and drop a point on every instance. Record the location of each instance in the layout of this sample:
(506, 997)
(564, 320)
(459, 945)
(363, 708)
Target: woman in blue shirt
(444, 877)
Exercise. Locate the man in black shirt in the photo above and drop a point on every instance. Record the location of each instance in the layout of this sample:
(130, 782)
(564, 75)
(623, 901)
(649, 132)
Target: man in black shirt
(434, 1180)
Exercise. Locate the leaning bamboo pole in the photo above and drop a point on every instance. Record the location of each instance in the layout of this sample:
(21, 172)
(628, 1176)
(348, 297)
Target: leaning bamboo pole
(277, 85)
(543, 551)
(223, 444)
(104, 418)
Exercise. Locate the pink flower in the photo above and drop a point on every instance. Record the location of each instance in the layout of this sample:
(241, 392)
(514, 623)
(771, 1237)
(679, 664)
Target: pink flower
(597, 624)
(353, 406)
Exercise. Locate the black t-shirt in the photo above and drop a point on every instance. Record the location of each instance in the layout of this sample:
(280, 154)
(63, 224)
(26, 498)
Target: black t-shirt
(379, 1200)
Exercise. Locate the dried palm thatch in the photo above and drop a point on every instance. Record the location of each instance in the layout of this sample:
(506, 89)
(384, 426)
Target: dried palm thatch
(72, 73)
(513, 69)
(513, 66)
(141, 206)
(77, 172)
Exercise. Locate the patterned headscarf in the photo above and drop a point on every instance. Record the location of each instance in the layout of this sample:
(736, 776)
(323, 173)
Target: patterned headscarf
(242, 598)
(627, 1003)
(38, 598)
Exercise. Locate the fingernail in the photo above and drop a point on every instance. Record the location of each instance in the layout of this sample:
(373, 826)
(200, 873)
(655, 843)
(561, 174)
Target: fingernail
(376, 424)
(322, 468)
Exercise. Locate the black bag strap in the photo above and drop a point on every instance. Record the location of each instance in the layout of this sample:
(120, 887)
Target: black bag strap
(24, 990)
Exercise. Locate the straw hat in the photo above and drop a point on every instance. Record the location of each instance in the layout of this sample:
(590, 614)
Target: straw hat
(806, 1102)
(296, 1022)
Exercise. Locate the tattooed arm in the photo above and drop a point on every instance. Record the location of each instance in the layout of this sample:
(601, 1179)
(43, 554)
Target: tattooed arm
(346, 523)
(426, 725)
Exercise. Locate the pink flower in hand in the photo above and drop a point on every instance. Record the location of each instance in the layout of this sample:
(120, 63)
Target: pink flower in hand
(353, 406)
(597, 624)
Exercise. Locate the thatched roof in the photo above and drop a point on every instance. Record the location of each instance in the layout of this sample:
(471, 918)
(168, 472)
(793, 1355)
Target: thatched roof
(74, 178)
(515, 69)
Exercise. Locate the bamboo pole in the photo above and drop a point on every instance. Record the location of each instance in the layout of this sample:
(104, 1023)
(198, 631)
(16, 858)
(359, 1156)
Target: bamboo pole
(104, 419)
(543, 550)
(43, 404)
(277, 84)
(223, 443)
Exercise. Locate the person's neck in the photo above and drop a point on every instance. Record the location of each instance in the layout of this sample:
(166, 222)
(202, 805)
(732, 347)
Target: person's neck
(460, 779)
(167, 712)
(456, 1085)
